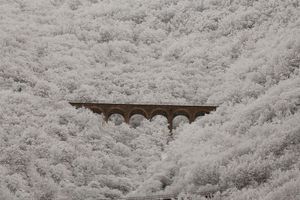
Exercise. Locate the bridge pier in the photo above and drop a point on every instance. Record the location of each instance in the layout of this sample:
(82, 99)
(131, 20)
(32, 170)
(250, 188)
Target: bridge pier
(126, 118)
(170, 124)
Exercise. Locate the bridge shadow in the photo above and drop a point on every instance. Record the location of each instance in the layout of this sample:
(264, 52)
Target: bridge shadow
(116, 119)
(136, 120)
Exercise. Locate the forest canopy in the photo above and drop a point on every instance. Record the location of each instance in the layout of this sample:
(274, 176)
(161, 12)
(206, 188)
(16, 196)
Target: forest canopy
(241, 55)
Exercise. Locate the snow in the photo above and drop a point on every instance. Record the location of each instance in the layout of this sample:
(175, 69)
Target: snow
(241, 55)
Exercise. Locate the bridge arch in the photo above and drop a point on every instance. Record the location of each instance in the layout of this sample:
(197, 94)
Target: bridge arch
(159, 112)
(180, 120)
(96, 110)
(165, 113)
(182, 112)
(138, 111)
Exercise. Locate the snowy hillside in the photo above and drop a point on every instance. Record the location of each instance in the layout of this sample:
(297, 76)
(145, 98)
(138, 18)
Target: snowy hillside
(242, 55)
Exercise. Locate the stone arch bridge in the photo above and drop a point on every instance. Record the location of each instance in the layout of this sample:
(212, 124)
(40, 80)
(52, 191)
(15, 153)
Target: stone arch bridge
(147, 110)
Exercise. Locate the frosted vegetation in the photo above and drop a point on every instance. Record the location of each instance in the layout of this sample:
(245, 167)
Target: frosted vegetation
(242, 55)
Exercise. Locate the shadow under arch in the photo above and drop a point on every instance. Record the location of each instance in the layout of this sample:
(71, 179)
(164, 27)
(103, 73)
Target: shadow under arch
(136, 120)
(199, 114)
(115, 111)
(116, 118)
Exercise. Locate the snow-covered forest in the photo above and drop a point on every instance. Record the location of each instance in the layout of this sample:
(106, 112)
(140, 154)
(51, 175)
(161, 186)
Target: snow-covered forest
(241, 55)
